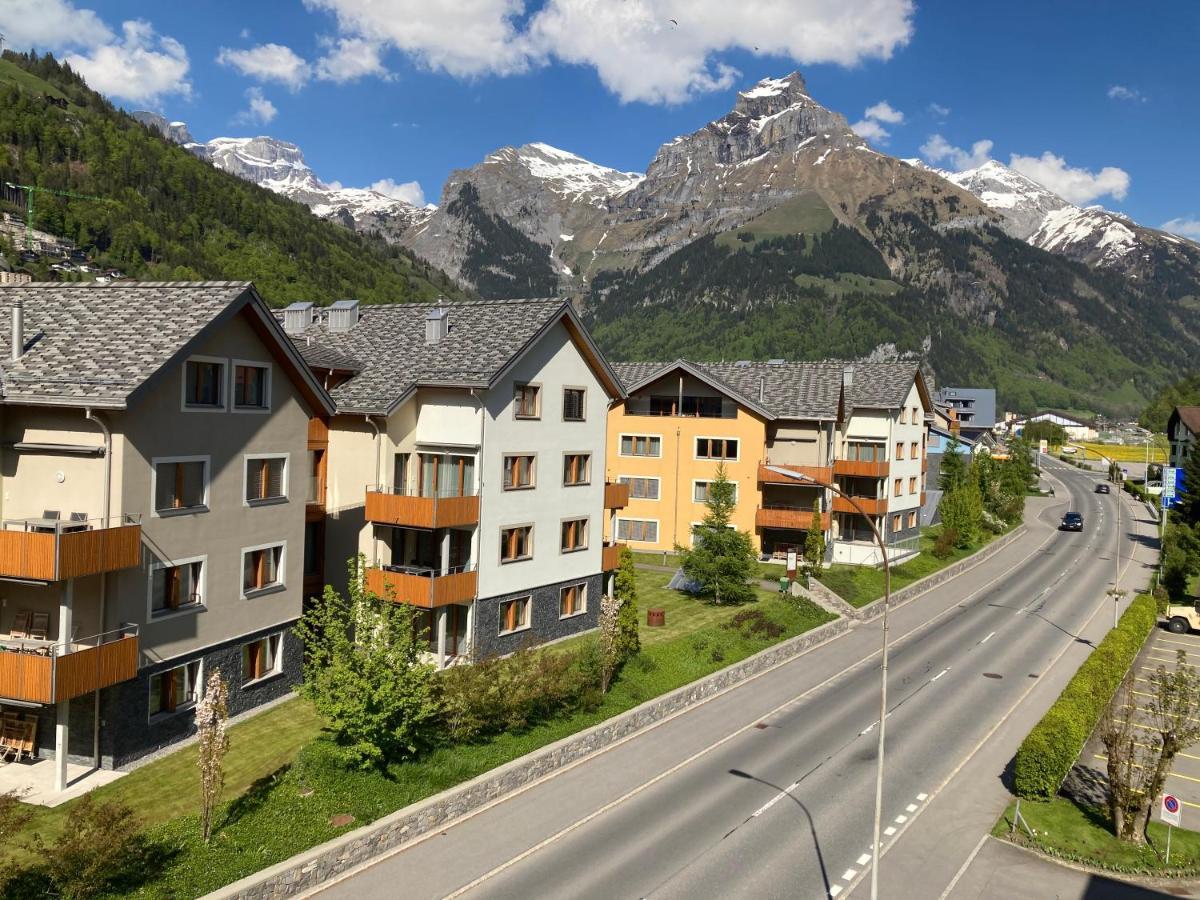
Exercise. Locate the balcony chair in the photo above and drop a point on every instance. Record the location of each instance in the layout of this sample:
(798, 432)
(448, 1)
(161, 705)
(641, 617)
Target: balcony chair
(20, 625)
(40, 627)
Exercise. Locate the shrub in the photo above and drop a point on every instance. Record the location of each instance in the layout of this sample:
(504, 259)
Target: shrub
(1051, 748)
(946, 541)
(754, 623)
(101, 846)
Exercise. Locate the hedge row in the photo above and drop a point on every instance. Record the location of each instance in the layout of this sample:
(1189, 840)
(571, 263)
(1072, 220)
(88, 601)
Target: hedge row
(1048, 752)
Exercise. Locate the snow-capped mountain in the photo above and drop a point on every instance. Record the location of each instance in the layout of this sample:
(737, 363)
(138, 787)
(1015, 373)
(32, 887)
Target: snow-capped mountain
(1022, 202)
(172, 131)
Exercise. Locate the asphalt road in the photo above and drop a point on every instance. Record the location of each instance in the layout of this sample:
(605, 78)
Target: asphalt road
(767, 790)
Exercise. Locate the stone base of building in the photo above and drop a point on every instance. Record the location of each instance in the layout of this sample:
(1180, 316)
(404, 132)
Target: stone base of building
(545, 623)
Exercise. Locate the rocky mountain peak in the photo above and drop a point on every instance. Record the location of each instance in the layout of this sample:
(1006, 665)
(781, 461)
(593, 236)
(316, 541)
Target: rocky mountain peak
(560, 171)
(772, 95)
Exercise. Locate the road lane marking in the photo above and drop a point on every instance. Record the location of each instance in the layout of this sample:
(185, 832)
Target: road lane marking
(963, 869)
(849, 874)
(988, 638)
(864, 859)
(835, 890)
(922, 797)
(1162, 640)
(912, 807)
(939, 675)
(1136, 766)
(890, 830)
(900, 820)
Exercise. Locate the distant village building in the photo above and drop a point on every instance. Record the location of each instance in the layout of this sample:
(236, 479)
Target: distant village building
(1182, 429)
(9, 278)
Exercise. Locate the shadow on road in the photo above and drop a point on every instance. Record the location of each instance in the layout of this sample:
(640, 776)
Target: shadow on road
(804, 809)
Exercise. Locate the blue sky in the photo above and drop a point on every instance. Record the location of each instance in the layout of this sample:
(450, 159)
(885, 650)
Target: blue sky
(408, 90)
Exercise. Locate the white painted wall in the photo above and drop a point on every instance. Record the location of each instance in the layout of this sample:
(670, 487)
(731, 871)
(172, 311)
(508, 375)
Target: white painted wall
(907, 467)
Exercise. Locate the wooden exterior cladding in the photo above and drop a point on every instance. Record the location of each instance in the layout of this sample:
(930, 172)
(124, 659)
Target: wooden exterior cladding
(610, 557)
(860, 469)
(423, 591)
(47, 556)
(788, 517)
(820, 473)
(616, 495)
(422, 512)
(51, 679)
(318, 440)
(873, 506)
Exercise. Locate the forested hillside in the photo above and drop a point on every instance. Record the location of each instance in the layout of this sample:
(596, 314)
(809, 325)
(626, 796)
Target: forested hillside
(1185, 392)
(168, 215)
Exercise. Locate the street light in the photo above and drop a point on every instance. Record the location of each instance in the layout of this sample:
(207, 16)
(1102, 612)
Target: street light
(1117, 556)
(887, 598)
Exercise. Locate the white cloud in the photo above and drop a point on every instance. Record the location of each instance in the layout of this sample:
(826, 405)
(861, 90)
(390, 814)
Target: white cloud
(52, 25)
(268, 62)
(871, 126)
(260, 110)
(349, 59)
(938, 111)
(1184, 226)
(636, 50)
(409, 191)
(1076, 185)
(141, 67)
(883, 112)
(1121, 92)
(871, 130)
(938, 149)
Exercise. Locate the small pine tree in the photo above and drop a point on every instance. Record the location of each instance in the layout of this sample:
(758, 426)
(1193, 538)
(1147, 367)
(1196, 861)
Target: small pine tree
(814, 545)
(953, 471)
(962, 511)
(629, 641)
(722, 559)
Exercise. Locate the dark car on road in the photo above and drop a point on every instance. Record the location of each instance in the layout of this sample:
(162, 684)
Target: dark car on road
(1072, 521)
(1103, 488)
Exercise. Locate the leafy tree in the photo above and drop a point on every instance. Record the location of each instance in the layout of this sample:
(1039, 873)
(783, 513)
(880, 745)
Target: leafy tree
(364, 673)
(1050, 432)
(211, 713)
(629, 641)
(962, 512)
(722, 559)
(610, 638)
(814, 545)
(953, 470)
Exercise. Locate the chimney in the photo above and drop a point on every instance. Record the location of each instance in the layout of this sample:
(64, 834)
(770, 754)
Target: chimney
(18, 328)
(762, 388)
(297, 317)
(437, 325)
(343, 315)
(848, 376)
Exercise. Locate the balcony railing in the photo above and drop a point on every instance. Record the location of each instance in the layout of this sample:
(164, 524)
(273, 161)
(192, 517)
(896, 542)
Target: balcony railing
(793, 518)
(861, 468)
(45, 672)
(616, 495)
(872, 506)
(393, 506)
(767, 476)
(610, 557)
(47, 548)
(426, 588)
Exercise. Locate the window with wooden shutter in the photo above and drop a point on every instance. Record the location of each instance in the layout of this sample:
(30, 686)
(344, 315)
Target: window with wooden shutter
(899, 449)
(180, 485)
(527, 401)
(174, 690)
(262, 568)
(912, 484)
(514, 615)
(176, 587)
(897, 487)
(574, 535)
(572, 600)
(573, 404)
(516, 543)
(266, 478)
(577, 468)
(518, 472)
(251, 386)
(261, 658)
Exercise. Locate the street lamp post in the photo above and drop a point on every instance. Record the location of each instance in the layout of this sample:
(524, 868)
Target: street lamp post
(887, 599)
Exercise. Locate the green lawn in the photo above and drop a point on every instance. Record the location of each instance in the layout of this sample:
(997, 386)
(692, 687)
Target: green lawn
(805, 213)
(860, 585)
(1082, 834)
(685, 614)
(13, 73)
(766, 570)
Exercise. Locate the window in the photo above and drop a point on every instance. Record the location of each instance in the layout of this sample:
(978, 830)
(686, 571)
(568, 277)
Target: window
(903, 415)
(913, 452)
(574, 535)
(174, 690)
(916, 416)
(527, 401)
(857, 451)
(204, 384)
(447, 475)
(514, 614)
(180, 484)
(262, 569)
(573, 404)
(637, 530)
(577, 468)
(262, 658)
(516, 543)
(700, 491)
(912, 519)
(899, 449)
(178, 586)
(266, 479)
(897, 523)
(912, 484)
(518, 472)
(251, 386)
(572, 600)
(716, 448)
(641, 445)
(897, 486)
(640, 488)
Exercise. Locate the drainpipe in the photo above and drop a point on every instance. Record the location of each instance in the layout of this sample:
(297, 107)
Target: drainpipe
(92, 417)
(479, 473)
(377, 442)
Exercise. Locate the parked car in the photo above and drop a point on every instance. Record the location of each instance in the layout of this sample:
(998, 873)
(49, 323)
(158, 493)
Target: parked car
(1072, 521)
(1103, 488)
(1069, 451)
(1182, 619)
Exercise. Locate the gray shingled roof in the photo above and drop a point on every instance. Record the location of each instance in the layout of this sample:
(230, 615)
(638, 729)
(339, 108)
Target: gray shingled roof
(794, 390)
(96, 344)
(389, 346)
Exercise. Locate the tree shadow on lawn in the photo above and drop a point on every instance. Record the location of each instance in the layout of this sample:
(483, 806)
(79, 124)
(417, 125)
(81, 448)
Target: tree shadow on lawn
(253, 799)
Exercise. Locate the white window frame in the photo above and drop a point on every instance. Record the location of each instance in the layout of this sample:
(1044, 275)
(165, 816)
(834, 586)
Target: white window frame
(696, 481)
(528, 599)
(225, 376)
(157, 615)
(533, 470)
(538, 403)
(587, 534)
(638, 434)
(258, 364)
(287, 471)
(277, 669)
(586, 481)
(655, 478)
(716, 459)
(279, 585)
(515, 559)
(583, 595)
(155, 462)
(657, 529)
(152, 717)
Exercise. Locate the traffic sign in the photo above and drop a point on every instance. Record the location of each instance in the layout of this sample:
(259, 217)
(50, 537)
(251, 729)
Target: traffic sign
(1170, 812)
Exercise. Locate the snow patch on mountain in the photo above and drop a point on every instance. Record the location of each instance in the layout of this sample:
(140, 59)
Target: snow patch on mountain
(568, 174)
(1110, 234)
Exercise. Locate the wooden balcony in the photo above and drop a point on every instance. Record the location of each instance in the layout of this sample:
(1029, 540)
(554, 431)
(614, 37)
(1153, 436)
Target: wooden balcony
(819, 473)
(45, 551)
(616, 495)
(792, 518)
(384, 508)
(872, 506)
(423, 589)
(610, 557)
(64, 673)
(860, 469)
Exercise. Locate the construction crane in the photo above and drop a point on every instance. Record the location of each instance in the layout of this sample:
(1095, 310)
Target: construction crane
(31, 190)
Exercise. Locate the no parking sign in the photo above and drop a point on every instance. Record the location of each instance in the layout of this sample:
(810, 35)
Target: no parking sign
(1170, 811)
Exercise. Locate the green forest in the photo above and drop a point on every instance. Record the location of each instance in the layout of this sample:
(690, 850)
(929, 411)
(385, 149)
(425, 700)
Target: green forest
(166, 214)
(1185, 392)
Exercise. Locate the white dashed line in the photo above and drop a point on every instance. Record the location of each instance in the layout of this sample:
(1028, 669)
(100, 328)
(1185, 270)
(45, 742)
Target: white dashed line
(889, 831)
(864, 859)
(849, 874)
(912, 807)
(900, 820)
(939, 675)
(835, 890)
(988, 638)
(921, 798)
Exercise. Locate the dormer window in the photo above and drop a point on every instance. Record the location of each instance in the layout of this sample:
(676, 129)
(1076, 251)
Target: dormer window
(251, 386)
(204, 384)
